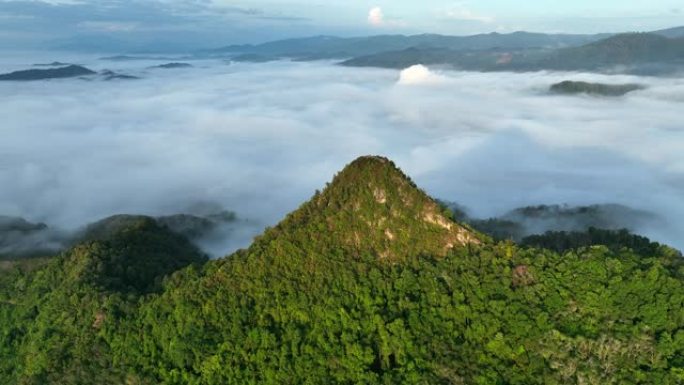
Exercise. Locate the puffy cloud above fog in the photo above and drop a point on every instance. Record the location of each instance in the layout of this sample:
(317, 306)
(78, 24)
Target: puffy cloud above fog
(418, 74)
(260, 138)
(376, 17)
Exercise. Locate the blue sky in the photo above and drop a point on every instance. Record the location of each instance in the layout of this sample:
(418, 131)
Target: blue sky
(186, 24)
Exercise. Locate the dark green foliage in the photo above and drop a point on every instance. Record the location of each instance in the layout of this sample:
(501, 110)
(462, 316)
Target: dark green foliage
(132, 258)
(8, 224)
(499, 229)
(484, 314)
(50, 73)
(111, 75)
(310, 303)
(55, 316)
(196, 227)
(173, 65)
(562, 241)
(570, 87)
(22, 239)
(603, 216)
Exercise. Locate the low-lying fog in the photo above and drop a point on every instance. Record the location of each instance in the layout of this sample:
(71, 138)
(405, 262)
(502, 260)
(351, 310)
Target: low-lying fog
(258, 139)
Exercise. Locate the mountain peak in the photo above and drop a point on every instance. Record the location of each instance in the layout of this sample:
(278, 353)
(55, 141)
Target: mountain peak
(371, 208)
(129, 254)
(375, 168)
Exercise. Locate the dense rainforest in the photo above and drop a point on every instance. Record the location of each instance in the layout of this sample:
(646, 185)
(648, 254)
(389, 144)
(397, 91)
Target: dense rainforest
(370, 282)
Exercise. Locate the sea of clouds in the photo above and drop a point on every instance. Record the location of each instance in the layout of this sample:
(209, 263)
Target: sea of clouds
(259, 139)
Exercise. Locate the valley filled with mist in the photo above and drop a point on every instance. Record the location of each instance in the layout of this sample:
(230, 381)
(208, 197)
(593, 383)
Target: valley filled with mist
(257, 139)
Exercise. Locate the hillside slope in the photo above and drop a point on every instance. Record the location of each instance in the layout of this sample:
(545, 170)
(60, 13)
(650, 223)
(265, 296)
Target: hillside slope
(370, 208)
(619, 50)
(638, 53)
(53, 319)
(329, 297)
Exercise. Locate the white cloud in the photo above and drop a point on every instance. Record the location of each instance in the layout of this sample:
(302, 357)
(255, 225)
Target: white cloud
(376, 17)
(261, 138)
(462, 13)
(417, 75)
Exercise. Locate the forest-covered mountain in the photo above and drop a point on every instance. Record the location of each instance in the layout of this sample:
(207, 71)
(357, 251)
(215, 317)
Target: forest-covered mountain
(59, 70)
(654, 53)
(638, 53)
(671, 32)
(20, 238)
(632, 49)
(569, 87)
(369, 282)
(67, 71)
(331, 47)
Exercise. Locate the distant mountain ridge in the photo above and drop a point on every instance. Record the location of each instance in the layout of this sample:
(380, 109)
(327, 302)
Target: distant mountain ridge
(637, 53)
(651, 53)
(330, 47)
(333, 47)
(624, 49)
(671, 32)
